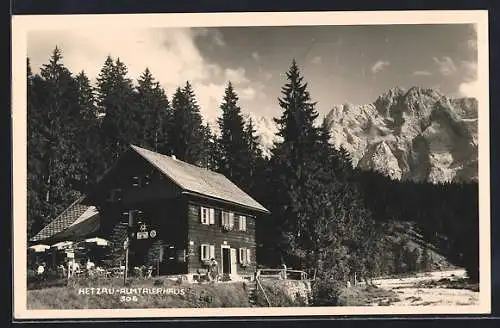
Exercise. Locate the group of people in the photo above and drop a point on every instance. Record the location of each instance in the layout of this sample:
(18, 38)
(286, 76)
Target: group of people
(73, 266)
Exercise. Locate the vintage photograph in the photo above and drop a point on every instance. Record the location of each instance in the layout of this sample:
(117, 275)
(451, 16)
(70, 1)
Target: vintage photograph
(251, 165)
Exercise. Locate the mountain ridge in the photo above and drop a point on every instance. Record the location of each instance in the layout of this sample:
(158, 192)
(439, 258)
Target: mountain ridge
(415, 134)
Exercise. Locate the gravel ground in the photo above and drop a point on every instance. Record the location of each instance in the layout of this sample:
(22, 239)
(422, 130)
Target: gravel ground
(411, 295)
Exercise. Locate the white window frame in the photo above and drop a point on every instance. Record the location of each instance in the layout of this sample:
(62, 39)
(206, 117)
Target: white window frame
(209, 252)
(244, 256)
(242, 223)
(205, 247)
(207, 215)
(227, 218)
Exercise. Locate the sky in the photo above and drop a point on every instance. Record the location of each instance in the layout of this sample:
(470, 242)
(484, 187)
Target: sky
(341, 64)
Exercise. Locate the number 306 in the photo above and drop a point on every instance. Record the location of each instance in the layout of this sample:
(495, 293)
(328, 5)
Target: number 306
(128, 298)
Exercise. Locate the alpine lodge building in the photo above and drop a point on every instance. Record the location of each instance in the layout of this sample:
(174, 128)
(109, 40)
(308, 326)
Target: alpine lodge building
(170, 215)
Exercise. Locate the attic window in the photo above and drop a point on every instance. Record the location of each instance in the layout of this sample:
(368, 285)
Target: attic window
(115, 195)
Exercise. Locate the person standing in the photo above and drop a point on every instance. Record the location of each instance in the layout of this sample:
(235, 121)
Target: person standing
(75, 268)
(40, 271)
(283, 272)
(213, 270)
(90, 267)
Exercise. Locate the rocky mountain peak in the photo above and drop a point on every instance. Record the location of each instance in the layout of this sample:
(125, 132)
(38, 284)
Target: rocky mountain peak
(416, 134)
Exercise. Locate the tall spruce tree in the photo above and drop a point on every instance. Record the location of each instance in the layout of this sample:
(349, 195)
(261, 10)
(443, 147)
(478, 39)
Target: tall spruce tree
(89, 137)
(35, 150)
(59, 117)
(116, 99)
(290, 164)
(256, 163)
(319, 211)
(185, 134)
(155, 110)
(211, 151)
(234, 159)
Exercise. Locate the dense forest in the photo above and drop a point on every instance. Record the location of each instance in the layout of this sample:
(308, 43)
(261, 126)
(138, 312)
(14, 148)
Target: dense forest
(326, 214)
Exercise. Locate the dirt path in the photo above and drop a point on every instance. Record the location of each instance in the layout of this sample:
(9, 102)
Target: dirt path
(412, 295)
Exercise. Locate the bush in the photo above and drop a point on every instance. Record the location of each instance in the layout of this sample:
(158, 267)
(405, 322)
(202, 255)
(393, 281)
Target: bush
(326, 292)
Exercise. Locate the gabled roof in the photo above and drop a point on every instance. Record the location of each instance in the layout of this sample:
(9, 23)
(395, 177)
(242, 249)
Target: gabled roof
(200, 181)
(73, 216)
(86, 225)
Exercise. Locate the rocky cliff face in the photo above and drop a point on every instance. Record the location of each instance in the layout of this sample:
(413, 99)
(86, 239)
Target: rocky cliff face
(416, 134)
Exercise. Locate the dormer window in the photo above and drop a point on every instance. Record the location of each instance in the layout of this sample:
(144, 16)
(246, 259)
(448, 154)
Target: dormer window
(115, 195)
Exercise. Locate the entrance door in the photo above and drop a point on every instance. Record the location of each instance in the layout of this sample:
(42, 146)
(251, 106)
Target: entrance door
(234, 263)
(226, 260)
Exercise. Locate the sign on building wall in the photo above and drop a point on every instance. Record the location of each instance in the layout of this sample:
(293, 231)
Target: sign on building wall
(142, 235)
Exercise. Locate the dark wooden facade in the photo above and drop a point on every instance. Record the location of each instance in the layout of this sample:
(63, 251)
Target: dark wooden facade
(215, 234)
(182, 243)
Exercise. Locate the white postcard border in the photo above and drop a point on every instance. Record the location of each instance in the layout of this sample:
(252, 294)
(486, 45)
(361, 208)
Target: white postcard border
(21, 25)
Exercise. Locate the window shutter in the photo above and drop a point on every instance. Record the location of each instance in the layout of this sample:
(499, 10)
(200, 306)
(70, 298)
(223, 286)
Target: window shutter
(212, 216)
(212, 252)
(240, 255)
(201, 215)
(248, 255)
(202, 254)
(231, 219)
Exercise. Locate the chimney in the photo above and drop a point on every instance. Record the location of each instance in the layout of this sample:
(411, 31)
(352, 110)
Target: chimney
(173, 157)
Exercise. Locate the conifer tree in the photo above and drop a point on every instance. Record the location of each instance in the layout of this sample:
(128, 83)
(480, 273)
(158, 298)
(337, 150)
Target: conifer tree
(88, 137)
(320, 213)
(233, 141)
(211, 151)
(256, 162)
(34, 153)
(60, 171)
(116, 99)
(154, 112)
(186, 130)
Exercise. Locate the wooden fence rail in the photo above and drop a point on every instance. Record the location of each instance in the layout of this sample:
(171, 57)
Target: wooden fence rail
(282, 274)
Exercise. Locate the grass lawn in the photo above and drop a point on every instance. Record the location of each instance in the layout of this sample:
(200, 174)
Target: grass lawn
(159, 293)
(165, 293)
